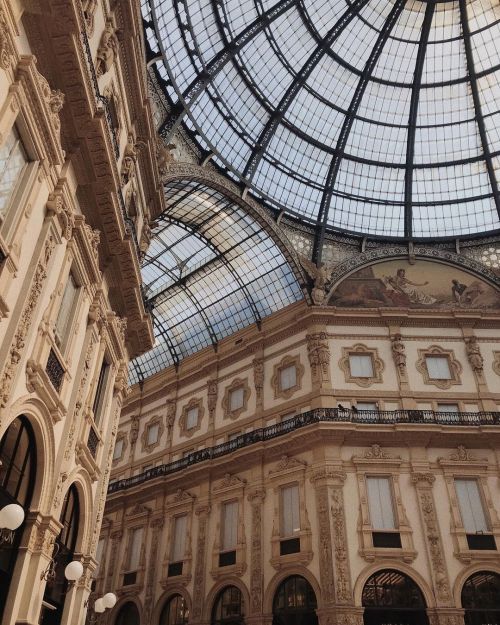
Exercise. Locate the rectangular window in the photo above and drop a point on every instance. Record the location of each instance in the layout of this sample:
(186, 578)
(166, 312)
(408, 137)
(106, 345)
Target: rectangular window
(447, 407)
(290, 512)
(229, 526)
(438, 367)
(288, 377)
(471, 506)
(287, 417)
(451, 411)
(66, 310)
(361, 365)
(380, 503)
(192, 418)
(233, 436)
(13, 160)
(365, 406)
(153, 431)
(118, 450)
(98, 556)
(100, 393)
(236, 397)
(178, 547)
(135, 549)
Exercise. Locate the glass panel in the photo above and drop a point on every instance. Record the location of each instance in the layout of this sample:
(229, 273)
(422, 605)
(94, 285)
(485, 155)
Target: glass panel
(179, 538)
(288, 377)
(135, 549)
(471, 506)
(361, 365)
(380, 503)
(100, 393)
(236, 399)
(118, 450)
(153, 431)
(290, 510)
(438, 367)
(13, 160)
(366, 405)
(66, 310)
(230, 526)
(192, 418)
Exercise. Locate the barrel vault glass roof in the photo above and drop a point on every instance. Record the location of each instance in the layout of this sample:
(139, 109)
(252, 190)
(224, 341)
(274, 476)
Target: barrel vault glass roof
(378, 117)
(210, 270)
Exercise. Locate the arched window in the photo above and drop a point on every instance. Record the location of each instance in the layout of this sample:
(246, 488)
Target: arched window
(481, 598)
(175, 611)
(390, 597)
(228, 608)
(295, 603)
(64, 549)
(128, 615)
(17, 481)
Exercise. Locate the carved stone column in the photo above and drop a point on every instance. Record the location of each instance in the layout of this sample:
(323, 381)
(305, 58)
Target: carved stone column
(116, 538)
(157, 526)
(423, 482)
(319, 480)
(343, 590)
(256, 499)
(258, 380)
(202, 513)
(446, 616)
(341, 616)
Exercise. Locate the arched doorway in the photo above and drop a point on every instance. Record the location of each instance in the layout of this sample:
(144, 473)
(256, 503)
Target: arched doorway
(392, 598)
(229, 608)
(295, 602)
(128, 615)
(175, 611)
(481, 598)
(17, 481)
(64, 549)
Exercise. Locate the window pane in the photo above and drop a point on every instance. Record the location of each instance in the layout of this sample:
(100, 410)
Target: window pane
(290, 510)
(288, 377)
(13, 160)
(100, 394)
(361, 365)
(230, 526)
(98, 556)
(448, 407)
(117, 452)
(192, 418)
(236, 399)
(135, 549)
(153, 431)
(380, 503)
(179, 538)
(471, 506)
(366, 405)
(68, 303)
(438, 367)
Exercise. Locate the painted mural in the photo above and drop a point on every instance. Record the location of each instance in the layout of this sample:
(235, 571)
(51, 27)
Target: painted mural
(423, 284)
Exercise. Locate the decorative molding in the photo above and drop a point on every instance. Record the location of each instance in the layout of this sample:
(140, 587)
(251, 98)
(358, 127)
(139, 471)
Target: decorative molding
(325, 544)
(107, 50)
(170, 416)
(398, 350)
(199, 570)
(6, 49)
(181, 496)
(286, 463)
(256, 498)
(454, 366)
(236, 384)
(474, 356)
(121, 436)
(496, 362)
(362, 350)
(343, 591)
(230, 481)
(287, 361)
(377, 453)
(194, 402)
(423, 479)
(212, 392)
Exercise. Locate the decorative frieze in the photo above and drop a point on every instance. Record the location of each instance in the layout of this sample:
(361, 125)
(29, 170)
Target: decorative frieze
(256, 499)
(318, 352)
(324, 541)
(202, 512)
(107, 50)
(212, 391)
(343, 590)
(258, 380)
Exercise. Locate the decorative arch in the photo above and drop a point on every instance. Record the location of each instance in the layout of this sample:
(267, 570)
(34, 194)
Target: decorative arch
(175, 589)
(120, 604)
(219, 587)
(400, 567)
(380, 254)
(119, 616)
(82, 482)
(295, 602)
(466, 573)
(43, 429)
(178, 601)
(281, 576)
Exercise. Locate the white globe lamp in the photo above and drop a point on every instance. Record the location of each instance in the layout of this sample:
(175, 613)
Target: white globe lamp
(99, 606)
(73, 571)
(11, 516)
(109, 600)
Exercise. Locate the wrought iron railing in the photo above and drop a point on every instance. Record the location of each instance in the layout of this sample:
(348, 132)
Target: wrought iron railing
(54, 370)
(93, 442)
(333, 415)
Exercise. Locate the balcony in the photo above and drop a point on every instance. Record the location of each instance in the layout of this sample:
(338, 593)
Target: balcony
(320, 415)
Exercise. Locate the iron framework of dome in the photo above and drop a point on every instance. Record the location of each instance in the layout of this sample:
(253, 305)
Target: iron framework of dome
(378, 117)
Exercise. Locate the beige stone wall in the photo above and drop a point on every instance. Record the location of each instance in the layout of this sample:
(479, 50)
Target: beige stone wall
(66, 216)
(329, 461)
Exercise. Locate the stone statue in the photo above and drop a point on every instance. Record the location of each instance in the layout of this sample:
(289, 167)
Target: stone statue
(320, 274)
(107, 51)
(474, 354)
(399, 353)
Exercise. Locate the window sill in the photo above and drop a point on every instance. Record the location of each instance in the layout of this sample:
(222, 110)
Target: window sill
(376, 553)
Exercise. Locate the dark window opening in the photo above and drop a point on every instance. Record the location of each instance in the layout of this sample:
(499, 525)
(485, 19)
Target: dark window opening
(388, 540)
(290, 545)
(481, 541)
(227, 558)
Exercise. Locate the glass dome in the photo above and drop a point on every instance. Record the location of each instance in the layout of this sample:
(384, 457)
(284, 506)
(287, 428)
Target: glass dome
(378, 117)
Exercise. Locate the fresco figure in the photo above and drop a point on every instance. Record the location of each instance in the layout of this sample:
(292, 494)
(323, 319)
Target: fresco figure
(402, 284)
